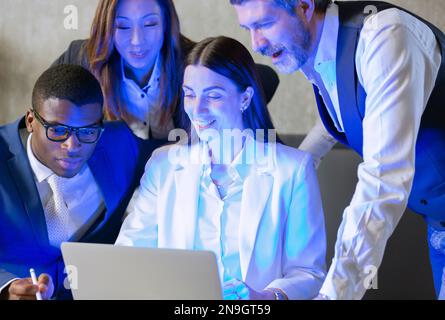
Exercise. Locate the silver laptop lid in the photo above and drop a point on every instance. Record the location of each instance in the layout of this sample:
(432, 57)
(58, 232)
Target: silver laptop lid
(108, 272)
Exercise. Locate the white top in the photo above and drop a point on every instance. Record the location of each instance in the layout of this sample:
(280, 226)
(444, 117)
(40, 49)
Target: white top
(143, 104)
(219, 219)
(281, 237)
(397, 63)
(81, 194)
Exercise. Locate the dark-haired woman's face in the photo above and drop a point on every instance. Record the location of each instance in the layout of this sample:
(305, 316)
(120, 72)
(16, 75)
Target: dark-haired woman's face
(139, 33)
(212, 101)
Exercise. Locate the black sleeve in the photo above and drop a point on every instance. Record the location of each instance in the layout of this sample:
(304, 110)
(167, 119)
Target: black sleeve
(75, 54)
(145, 148)
(186, 45)
(269, 79)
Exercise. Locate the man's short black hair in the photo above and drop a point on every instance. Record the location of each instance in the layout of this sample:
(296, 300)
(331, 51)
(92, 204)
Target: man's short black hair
(67, 82)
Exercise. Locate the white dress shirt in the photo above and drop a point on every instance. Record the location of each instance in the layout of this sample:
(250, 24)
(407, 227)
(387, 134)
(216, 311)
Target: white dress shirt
(81, 194)
(144, 106)
(397, 62)
(218, 218)
(318, 142)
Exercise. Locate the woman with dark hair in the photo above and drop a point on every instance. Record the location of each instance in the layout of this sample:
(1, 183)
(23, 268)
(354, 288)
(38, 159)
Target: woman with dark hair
(251, 200)
(217, 55)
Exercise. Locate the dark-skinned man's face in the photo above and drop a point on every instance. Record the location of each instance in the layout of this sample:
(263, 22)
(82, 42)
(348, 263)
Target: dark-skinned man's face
(66, 158)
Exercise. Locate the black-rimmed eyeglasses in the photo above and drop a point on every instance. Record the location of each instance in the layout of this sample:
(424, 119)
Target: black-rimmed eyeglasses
(61, 132)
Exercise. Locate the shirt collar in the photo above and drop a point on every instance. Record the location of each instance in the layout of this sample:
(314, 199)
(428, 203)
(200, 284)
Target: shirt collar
(237, 170)
(155, 76)
(41, 171)
(260, 156)
(327, 46)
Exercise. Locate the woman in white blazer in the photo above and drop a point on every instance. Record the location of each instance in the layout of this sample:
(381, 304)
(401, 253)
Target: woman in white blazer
(233, 190)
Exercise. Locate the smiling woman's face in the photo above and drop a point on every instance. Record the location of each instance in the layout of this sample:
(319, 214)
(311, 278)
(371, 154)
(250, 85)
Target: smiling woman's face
(139, 33)
(212, 101)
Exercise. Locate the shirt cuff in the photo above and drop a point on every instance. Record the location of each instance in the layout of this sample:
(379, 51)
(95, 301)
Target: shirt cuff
(7, 284)
(333, 286)
(343, 282)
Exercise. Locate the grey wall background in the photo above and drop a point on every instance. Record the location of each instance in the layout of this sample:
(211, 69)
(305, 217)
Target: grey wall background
(32, 35)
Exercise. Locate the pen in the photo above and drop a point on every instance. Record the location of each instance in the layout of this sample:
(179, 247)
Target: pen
(34, 281)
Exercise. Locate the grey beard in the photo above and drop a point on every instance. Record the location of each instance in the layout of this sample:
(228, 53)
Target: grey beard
(297, 55)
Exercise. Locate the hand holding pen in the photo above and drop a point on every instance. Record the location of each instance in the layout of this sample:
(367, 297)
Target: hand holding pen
(41, 288)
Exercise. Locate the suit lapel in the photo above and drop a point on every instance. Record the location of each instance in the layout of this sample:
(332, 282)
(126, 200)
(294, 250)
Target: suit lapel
(256, 193)
(21, 174)
(101, 169)
(187, 186)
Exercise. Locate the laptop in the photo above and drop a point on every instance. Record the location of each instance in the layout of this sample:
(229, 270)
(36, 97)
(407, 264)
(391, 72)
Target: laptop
(107, 272)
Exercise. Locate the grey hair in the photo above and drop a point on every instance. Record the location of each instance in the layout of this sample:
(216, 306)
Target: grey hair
(289, 5)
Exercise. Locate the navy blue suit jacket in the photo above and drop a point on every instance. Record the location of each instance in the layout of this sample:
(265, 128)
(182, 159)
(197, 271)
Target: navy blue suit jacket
(116, 164)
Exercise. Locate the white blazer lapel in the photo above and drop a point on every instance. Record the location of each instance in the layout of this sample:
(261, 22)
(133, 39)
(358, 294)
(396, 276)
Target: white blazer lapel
(256, 193)
(187, 185)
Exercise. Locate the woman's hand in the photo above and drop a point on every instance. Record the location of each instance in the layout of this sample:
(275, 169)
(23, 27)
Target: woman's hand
(237, 290)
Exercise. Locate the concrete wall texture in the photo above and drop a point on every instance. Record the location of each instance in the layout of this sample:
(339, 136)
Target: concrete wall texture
(32, 35)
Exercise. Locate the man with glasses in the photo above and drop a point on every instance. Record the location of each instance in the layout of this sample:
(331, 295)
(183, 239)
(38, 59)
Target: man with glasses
(64, 176)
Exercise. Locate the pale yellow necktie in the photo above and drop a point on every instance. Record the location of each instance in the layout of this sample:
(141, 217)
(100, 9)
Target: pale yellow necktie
(57, 213)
